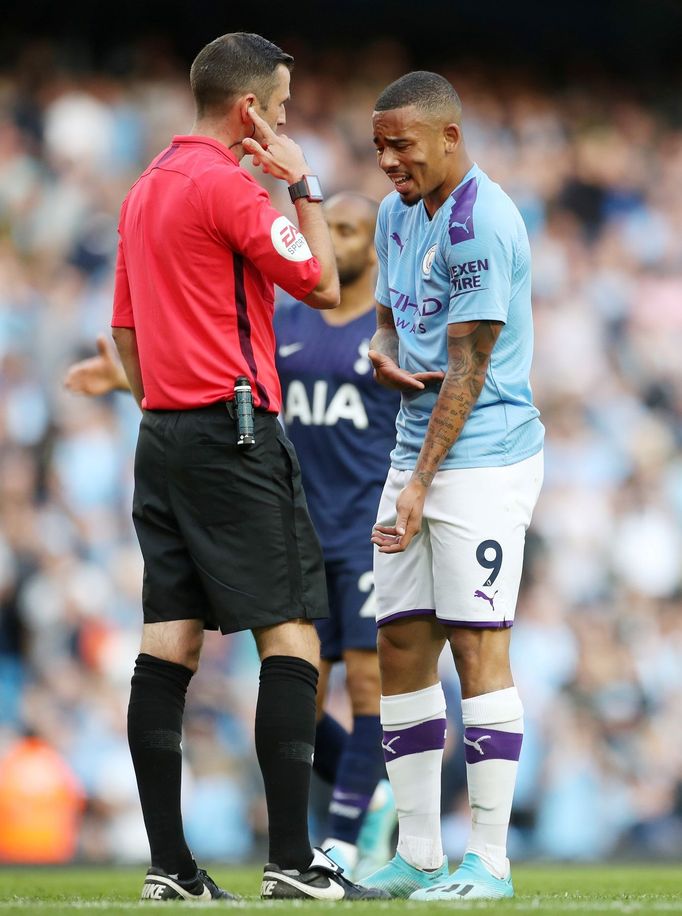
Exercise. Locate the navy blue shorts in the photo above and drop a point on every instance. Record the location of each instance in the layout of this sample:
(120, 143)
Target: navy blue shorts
(352, 612)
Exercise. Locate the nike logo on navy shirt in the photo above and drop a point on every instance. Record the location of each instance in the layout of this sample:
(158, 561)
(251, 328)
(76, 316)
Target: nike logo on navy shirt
(289, 349)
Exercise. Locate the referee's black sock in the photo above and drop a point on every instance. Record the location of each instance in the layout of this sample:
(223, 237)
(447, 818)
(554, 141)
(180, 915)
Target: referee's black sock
(285, 739)
(157, 703)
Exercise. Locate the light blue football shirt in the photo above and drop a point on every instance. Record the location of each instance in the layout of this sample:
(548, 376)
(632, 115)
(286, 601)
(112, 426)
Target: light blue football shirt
(470, 262)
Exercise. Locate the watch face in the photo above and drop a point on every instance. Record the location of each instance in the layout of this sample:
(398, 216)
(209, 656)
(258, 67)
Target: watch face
(314, 189)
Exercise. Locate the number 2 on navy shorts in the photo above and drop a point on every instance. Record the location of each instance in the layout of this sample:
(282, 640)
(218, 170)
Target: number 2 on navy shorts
(352, 608)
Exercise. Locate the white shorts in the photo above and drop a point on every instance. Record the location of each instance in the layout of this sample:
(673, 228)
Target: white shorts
(465, 565)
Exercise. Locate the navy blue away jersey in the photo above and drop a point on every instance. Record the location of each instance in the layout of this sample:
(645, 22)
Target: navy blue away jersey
(342, 423)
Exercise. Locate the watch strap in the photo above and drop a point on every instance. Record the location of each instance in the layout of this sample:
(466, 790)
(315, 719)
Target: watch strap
(302, 188)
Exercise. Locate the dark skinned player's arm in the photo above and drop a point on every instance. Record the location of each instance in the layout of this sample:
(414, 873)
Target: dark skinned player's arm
(470, 344)
(383, 352)
(469, 347)
(385, 339)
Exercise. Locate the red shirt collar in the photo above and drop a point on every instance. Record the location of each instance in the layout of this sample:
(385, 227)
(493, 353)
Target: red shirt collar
(207, 141)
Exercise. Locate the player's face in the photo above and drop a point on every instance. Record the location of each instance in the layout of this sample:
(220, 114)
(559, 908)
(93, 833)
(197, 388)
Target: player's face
(411, 150)
(352, 238)
(274, 113)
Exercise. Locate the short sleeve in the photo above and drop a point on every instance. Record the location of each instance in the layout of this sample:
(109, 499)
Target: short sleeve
(239, 211)
(123, 305)
(382, 293)
(480, 275)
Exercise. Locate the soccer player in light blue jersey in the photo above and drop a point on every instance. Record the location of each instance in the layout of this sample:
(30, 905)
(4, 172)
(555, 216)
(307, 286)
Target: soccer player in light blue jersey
(455, 336)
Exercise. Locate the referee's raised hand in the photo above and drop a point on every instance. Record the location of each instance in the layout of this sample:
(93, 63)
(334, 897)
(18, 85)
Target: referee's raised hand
(276, 154)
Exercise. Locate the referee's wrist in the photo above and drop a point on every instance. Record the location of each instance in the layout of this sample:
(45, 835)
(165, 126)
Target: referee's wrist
(298, 175)
(308, 188)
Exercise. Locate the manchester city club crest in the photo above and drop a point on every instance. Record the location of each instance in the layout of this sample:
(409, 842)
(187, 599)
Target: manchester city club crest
(428, 260)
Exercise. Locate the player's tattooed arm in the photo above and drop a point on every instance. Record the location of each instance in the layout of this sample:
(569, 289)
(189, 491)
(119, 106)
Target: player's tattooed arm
(469, 347)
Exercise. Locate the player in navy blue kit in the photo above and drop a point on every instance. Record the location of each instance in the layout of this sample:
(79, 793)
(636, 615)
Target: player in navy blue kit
(343, 427)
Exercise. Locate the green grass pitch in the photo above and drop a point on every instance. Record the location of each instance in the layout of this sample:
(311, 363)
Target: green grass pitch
(540, 890)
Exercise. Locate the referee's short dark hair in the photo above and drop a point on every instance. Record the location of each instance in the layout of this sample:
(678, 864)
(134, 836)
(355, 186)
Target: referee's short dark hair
(427, 91)
(232, 64)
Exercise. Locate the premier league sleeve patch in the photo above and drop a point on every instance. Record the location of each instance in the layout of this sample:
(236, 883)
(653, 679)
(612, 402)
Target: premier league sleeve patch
(288, 241)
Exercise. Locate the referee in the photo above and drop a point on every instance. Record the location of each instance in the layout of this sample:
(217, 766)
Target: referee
(223, 528)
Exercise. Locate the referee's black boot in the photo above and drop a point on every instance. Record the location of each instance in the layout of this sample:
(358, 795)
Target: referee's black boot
(322, 880)
(159, 885)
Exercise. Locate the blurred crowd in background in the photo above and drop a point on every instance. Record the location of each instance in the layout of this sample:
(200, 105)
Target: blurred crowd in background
(597, 175)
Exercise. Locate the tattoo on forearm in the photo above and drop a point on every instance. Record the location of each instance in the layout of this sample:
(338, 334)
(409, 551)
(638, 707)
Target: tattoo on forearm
(468, 358)
(423, 478)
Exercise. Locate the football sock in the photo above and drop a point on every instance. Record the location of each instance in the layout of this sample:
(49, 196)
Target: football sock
(330, 740)
(414, 737)
(493, 733)
(360, 769)
(285, 739)
(157, 703)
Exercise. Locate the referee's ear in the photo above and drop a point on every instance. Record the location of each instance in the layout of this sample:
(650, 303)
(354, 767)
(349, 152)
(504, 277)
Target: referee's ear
(244, 104)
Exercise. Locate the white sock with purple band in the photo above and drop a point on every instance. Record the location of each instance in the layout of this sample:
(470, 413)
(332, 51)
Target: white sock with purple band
(493, 733)
(414, 737)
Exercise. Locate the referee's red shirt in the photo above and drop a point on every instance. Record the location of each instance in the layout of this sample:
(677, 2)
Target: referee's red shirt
(199, 253)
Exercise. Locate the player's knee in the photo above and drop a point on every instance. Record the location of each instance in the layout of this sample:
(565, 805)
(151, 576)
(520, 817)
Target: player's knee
(468, 657)
(395, 653)
(364, 687)
(390, 649)
(408, 656)
(482, 659)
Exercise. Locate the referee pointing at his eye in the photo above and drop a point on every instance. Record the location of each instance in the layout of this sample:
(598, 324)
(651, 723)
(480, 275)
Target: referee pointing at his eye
(223, 527)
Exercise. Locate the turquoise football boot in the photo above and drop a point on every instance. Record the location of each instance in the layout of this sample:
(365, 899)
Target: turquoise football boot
(401, 879)
(471, 881)
(375, 842)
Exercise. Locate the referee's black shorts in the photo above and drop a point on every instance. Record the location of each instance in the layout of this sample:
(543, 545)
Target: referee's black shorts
(224, 531)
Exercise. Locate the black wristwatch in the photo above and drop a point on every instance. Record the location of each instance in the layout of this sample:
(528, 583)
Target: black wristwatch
(308, 186)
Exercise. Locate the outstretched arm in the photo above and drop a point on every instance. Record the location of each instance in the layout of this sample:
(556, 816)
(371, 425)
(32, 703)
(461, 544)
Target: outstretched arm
(98, 375)
(470, 344)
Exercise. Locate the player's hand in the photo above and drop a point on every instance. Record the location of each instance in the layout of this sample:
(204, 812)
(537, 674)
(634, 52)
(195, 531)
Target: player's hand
(98, 375)
(409, 510)
(389, 374)
(276, 154)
